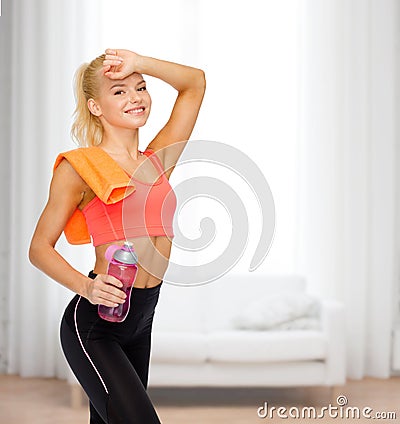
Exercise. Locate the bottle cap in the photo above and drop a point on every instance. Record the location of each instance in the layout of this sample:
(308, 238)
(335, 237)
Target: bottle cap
(126, 254)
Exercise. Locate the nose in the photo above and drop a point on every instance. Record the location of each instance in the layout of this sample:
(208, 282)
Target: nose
(134, 97)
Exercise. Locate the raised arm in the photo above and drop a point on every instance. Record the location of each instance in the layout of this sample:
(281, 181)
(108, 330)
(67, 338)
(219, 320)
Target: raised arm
(190, 85)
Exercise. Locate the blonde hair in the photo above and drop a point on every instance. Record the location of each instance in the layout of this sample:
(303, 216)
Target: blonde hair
(87, 129)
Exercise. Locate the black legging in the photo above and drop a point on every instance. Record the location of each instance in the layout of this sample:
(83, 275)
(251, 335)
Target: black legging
(111, 360)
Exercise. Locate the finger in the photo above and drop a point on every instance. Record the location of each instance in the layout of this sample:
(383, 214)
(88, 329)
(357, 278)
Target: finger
(111, 292)
(105, 280)
(114, 57)
(112, 299)
(112, 62)
(111, 51)
(116, 75)
(107, 302)
(109, 279)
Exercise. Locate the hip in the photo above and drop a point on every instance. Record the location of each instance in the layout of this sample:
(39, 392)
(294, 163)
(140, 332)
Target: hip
(82, 316)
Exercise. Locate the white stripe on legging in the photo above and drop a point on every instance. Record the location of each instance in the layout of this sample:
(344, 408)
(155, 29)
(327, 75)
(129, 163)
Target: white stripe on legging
(83, 348)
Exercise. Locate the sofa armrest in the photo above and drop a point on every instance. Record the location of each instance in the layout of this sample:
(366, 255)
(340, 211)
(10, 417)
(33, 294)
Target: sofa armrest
(333, 326)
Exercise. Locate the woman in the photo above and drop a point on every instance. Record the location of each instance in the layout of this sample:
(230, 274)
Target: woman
(108, 192)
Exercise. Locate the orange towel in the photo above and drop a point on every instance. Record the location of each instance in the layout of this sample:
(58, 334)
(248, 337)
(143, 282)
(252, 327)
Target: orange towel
(104, 176)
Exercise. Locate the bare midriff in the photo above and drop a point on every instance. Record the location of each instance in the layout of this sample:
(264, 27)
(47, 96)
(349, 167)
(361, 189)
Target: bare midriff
(153, 256)
(153, 253)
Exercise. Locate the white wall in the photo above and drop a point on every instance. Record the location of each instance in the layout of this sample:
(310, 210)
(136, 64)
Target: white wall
(250, 54)
(5, 76)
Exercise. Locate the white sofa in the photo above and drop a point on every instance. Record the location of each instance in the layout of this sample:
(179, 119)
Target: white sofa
(199, 340)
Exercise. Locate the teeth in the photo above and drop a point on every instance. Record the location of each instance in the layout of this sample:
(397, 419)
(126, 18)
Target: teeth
(136, 110)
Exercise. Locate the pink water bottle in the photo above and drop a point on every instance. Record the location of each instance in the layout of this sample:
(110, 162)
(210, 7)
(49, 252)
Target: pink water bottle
(122, 265)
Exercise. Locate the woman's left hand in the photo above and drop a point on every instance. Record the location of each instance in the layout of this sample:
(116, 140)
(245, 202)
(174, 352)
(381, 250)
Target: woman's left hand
(119, 64)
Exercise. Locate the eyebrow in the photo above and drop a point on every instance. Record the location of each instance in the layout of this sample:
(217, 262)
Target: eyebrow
(117, 85)
(124, 85)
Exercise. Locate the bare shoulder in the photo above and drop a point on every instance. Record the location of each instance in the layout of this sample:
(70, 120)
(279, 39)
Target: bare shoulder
(67, 190)
(65, 172)
(66, 182)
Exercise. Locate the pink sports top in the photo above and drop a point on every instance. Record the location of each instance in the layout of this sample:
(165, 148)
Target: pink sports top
(148, 211)
(123, 207)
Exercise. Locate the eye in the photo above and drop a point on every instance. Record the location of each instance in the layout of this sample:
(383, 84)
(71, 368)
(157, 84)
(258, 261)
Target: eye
(118, 93)
(142, 88)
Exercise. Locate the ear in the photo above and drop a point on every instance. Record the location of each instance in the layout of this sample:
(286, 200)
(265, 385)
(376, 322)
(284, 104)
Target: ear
(94, 107)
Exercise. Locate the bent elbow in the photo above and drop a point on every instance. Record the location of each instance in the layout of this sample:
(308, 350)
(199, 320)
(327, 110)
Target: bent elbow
(32, 253)
(202, 80)
(35, 252)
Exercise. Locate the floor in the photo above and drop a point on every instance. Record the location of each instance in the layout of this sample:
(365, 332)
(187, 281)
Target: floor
(45, 401)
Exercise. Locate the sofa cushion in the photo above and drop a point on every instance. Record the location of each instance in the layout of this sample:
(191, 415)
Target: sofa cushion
(273, 311)
(266, 346)
(228, 296)
(169, 346)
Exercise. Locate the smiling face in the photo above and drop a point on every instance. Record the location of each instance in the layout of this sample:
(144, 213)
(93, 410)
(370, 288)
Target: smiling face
(122, 103)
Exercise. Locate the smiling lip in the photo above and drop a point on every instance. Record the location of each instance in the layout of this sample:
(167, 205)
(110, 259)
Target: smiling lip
(135, 111)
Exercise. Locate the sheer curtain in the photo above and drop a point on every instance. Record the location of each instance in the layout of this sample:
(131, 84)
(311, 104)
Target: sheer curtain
(347, 145)
(5, 96)
(45, 42)
(305, 88)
